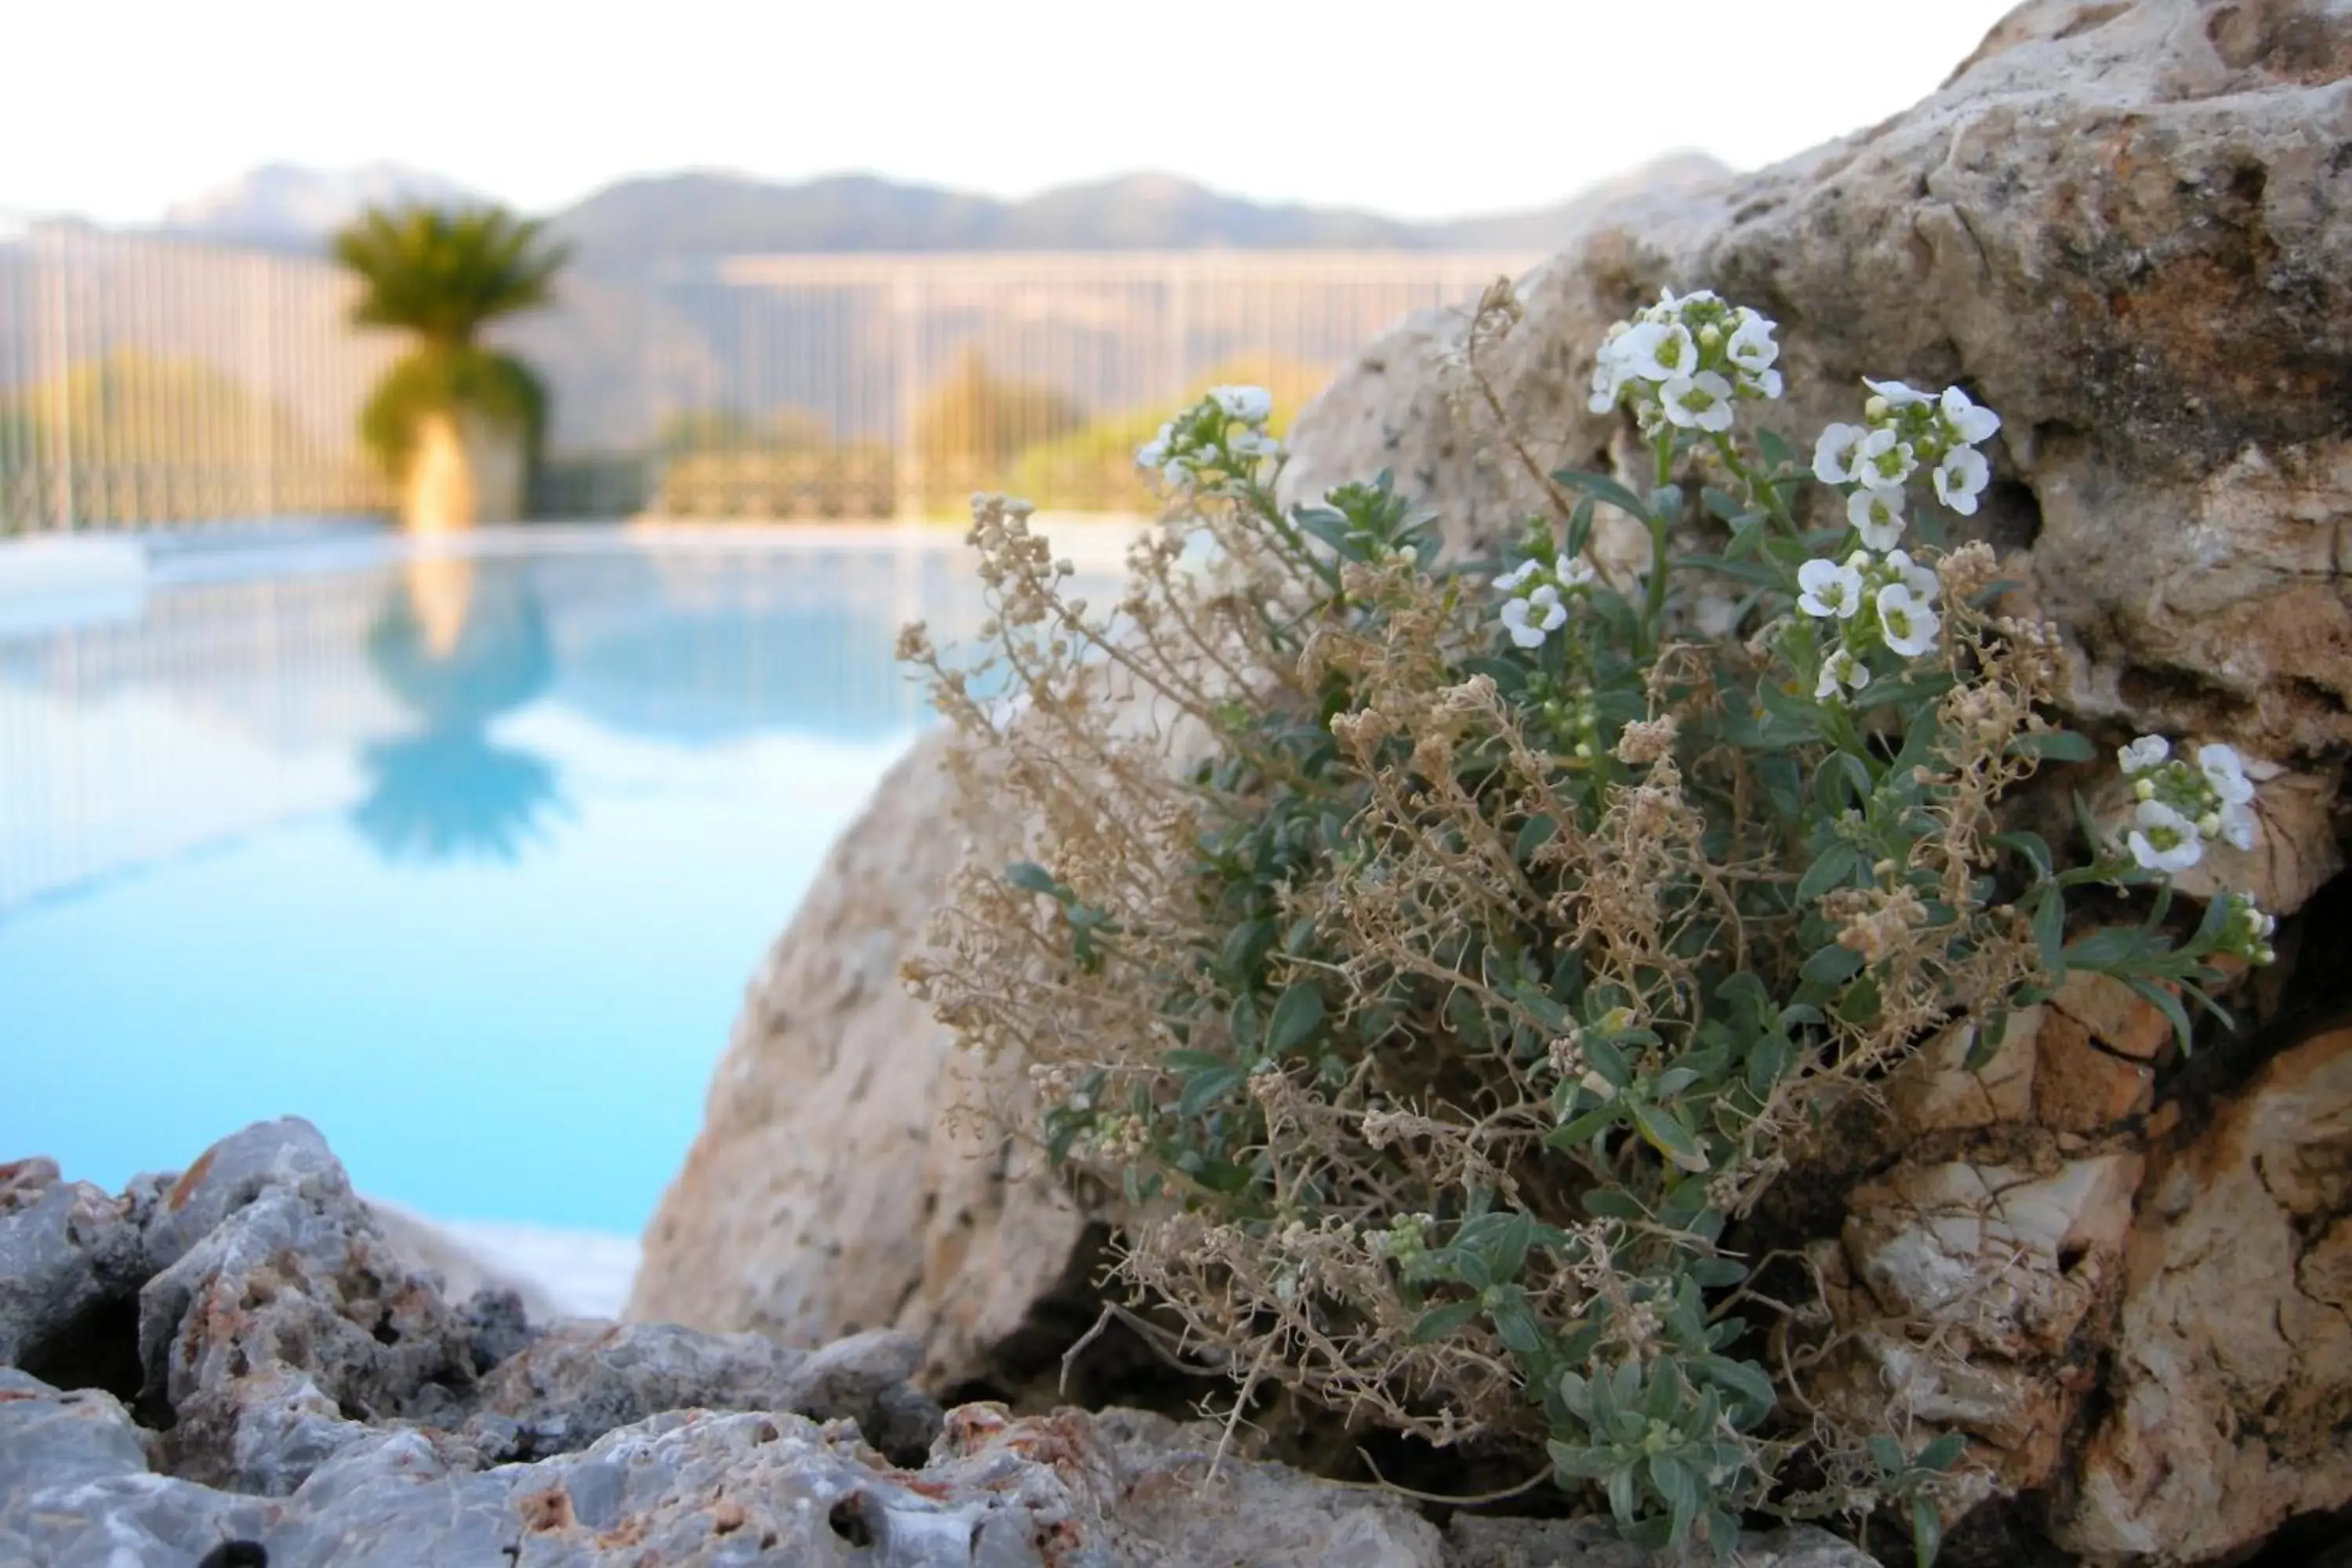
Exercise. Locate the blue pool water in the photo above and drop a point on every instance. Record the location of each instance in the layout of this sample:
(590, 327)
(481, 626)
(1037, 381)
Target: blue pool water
(467, 859)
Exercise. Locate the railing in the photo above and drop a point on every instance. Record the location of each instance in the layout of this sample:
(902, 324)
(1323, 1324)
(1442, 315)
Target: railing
(148, 381)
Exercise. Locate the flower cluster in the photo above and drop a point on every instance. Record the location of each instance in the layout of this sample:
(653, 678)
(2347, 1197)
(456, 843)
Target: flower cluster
(2246, 931)
(1222, 437)
(1685, 361)
(2182, 805)
(1872, 603)
(1903, 431)
(1536, 602)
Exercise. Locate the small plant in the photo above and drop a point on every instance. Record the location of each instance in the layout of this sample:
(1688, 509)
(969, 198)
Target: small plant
(1442, 958)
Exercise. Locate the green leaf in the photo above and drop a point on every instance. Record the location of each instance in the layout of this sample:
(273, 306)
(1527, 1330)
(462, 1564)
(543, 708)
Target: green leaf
(1579, 528)
(1571, 1463)
(1622, 1496)
(1439, 1321)
(1297, 1015)
(1767, 1059)
(1032, 878)
(1579, 1132)
(1533, 836)
(1205, 1087)
(1604, 488)
(1612, 1203)
(2031, 846)
(1607, 1060)
(2052, 746)
(1244, 946)
(1191, 1061)
(2049, 931)
(1669, 1137)
(2166, 1003)
(1843, 779)
(1744, 1381)
(1517, 1326)
(1887, 1454)
(1680, 1488)
(1943, 1452)
(1832, 965)
(1926, 1533)
(1834, 868)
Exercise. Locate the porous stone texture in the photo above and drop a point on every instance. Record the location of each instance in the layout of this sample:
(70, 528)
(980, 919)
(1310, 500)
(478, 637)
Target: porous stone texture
(308, 1403)
(842, 1180)
(2232, 1388)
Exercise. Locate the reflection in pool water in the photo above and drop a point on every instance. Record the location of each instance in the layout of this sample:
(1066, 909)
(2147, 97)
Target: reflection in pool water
(468, 861)
(458, 662)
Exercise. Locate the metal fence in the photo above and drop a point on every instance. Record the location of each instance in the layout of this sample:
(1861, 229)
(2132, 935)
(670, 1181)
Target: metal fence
(148, 381)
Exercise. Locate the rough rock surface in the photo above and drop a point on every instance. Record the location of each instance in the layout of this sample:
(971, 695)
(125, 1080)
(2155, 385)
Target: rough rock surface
(2233, 1388)
(306, 1401)
(836, 1185)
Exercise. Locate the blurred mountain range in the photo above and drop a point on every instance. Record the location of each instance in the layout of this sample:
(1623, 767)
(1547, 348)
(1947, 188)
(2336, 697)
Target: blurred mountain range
(284, 207)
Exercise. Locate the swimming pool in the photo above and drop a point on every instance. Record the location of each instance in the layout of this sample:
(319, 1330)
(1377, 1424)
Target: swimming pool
(466, 856)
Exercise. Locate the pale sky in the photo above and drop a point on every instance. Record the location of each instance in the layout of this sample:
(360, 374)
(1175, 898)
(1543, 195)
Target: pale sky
(1423, 108)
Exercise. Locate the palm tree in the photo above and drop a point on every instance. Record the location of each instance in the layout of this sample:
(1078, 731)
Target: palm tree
(456, 423)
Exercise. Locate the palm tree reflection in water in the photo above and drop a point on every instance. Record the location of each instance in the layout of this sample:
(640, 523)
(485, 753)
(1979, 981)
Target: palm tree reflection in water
(458, 647)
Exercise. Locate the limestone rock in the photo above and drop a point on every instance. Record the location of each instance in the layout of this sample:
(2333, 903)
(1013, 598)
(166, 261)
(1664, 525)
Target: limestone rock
(2122, 226)
(571, 1386)
(834, 1185)
(1474, 1542)
(463, 1270)
(259, 1318)
(2234, 1376)
(1937, 1091)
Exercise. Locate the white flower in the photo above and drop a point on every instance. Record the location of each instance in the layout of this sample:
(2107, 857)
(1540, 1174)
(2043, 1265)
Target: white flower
(2240, 827)
(1607, 381)
(1837, 452)
(1701, 401)
(1253, 444)
(1154, 452)
(1751, 347)
(1961, 478)
(2163, 839)
(1529, 633)
(1830, 588)
(1659, 352)
(1510, 581)
(1839, 668)
(1883, 460)
(2225, 772)
(1250, 405)
(1908, 624)
(2147, 751)
(1966, 423)
(1920, 580)
(1896, 394)
(1573, 572)
(1877, 515)
(1767, 382)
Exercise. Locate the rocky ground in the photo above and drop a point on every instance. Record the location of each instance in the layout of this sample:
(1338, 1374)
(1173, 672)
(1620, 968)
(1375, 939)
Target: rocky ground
(237, 1367)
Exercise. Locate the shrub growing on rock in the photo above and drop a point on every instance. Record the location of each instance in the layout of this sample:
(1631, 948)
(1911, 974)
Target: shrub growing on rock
(1444, 958)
